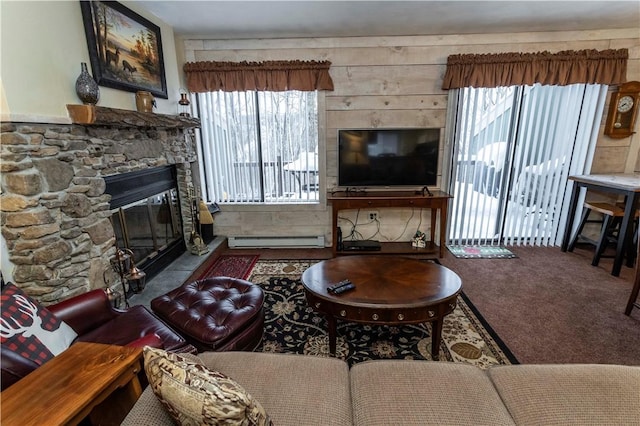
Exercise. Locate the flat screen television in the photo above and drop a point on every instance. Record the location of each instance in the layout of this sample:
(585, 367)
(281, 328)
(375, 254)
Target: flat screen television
(389, 158)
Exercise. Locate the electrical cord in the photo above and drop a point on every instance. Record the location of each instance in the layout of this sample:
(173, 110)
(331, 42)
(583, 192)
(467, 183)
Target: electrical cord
(425, 189)
(355, 191)
(353, 234)
(350, 234)
(377, 231)
(356, 235)
(420, 221)
(348, 191)
(406, 225)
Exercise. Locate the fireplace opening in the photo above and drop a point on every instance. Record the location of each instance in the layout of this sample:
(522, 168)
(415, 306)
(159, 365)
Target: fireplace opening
(146, 216)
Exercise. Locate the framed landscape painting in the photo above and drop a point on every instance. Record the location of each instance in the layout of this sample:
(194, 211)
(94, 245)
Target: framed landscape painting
(125, 48)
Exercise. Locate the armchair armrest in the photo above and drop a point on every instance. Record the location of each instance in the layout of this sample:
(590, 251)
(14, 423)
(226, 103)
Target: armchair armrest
(152, 340)
(85, 312)
(14, 367)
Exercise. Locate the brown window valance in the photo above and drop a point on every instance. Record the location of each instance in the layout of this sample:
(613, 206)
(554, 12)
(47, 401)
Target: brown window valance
(273, 76)
(514, 69)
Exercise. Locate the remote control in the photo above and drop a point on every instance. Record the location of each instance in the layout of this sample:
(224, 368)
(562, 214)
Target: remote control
(334, 287)
(344, 288)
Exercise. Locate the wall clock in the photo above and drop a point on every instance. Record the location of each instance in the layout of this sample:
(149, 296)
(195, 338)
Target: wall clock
(623, 109)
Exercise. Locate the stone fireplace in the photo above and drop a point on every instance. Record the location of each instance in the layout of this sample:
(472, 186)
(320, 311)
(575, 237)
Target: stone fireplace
(56, 210)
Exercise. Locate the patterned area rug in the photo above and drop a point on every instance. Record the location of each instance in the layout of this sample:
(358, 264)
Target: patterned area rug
(236, 266)
(292, 326)
(481, 252)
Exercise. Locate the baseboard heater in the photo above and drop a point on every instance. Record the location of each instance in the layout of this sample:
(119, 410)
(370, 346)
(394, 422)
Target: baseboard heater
(275, 242)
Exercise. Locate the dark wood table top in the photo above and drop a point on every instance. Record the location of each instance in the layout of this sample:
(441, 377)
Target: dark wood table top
(63, 390)
(388, 282)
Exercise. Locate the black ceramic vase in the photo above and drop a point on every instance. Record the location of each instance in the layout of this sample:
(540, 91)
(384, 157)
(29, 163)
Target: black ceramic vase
(86, 87)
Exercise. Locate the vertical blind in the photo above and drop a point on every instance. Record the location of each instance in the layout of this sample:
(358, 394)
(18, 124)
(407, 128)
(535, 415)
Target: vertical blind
(482, 145)
(258, 147)
(556, 137)
(513, 151)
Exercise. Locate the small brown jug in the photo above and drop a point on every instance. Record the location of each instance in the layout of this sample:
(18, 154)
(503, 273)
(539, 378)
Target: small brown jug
(145, 101)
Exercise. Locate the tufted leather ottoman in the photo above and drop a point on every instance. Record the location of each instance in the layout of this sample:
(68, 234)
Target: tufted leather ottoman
(215, 314)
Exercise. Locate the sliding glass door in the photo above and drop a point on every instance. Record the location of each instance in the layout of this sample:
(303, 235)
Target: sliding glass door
(513, 149)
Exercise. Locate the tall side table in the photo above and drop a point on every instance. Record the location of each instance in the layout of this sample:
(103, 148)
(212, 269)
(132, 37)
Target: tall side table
(88, 379)
(626, 184)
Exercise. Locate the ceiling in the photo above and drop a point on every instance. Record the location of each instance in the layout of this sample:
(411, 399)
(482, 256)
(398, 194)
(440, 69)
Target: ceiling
(285, 19)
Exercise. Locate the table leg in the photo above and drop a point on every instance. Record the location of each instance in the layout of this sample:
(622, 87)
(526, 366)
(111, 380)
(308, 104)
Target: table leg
(432, 231)
(436, 338)
(570, 217)
(332, 334)
(625, 237)
(636, 287)
(443, 225)
(334, 231)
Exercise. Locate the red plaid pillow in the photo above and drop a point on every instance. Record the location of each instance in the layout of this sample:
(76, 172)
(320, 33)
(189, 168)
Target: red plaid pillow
(29, 329)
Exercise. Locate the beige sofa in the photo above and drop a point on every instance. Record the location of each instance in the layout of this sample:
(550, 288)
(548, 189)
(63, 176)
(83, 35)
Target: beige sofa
(300, 390)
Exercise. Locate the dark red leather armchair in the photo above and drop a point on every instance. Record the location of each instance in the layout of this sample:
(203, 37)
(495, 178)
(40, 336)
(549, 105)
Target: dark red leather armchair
(95, 320)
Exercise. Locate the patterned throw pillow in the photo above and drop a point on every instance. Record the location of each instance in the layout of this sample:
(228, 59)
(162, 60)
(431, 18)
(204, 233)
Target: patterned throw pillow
(195, 395)
(29, 329)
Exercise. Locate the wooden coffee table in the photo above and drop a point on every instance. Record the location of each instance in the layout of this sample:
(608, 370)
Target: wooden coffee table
(389, 290)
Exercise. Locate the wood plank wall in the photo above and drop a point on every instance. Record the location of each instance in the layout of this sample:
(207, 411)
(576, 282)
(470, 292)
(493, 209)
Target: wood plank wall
(395, 82)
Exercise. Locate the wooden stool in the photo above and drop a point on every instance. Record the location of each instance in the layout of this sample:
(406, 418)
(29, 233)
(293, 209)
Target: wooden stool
(612, 213)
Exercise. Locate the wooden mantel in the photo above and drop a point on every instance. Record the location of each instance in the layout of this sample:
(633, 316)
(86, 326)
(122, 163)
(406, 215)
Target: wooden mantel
(103, 116)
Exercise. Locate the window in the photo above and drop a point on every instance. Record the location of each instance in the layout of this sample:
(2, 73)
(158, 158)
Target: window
(259, 147)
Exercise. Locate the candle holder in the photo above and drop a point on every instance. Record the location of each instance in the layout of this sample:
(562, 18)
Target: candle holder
(196, 244)
(124, 264)
(114, 297)
(183, 104)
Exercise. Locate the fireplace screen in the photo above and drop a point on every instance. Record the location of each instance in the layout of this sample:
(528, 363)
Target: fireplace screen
(148, 226)
(146, 216)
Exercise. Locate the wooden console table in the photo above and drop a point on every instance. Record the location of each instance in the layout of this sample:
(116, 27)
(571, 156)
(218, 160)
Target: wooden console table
(88, 379)
(437, 203)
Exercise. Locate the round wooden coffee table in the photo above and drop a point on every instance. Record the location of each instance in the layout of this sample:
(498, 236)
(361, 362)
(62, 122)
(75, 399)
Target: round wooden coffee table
(389, 290)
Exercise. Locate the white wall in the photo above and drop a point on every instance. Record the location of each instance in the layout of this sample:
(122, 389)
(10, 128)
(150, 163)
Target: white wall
(42, 46)
(395, 82)
(379, 80)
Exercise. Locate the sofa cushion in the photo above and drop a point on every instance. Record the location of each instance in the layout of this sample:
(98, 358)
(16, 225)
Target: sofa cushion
(194, 394)
(294, 389)
(29, 329)
(408, 392)
(569, 394)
